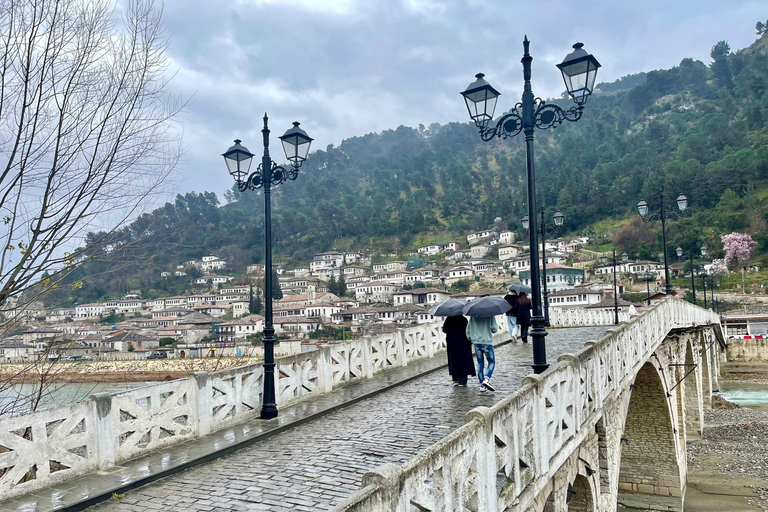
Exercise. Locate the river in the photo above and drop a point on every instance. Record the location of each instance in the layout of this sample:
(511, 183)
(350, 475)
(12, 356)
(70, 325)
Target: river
(18, 399)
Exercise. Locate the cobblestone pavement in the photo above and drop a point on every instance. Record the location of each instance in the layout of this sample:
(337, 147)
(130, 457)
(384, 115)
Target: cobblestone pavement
(318, 464)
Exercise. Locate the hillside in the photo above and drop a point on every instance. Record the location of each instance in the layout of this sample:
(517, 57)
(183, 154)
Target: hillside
(697, 129)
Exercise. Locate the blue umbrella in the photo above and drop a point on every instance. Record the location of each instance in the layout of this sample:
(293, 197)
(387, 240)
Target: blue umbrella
(450, 307)
(486, 307)
(519, 288)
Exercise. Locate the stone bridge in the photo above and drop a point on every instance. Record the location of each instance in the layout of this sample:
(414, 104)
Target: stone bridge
(605, 425)
(602, 427)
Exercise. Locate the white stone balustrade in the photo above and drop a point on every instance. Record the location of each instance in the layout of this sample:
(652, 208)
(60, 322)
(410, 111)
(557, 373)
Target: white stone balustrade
(582, 317)
(50, 446)
(528, 435)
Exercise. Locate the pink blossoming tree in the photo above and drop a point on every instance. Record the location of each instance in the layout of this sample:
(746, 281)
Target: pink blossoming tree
(739, 248)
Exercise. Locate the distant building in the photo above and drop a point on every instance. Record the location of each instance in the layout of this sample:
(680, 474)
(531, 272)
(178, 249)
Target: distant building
(559, 277)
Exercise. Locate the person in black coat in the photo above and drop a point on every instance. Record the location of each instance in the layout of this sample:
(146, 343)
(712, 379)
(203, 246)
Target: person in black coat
(459, 349)
(524, 315)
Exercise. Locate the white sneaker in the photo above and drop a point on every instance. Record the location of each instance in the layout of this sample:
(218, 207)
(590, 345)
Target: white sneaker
(482, 389)
(455, 384)
(487, 385)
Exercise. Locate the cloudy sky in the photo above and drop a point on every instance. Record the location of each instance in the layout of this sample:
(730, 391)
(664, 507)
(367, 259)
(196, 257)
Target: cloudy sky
(349, 67)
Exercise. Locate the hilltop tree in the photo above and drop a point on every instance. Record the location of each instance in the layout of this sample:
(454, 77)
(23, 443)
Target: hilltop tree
(720, 53)
(761, 28)
(84, 131)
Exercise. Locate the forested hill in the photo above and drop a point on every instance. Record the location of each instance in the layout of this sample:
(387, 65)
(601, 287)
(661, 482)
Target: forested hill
(697, 129)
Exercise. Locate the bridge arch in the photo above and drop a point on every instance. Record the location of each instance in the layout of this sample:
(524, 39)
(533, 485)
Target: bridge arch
(649, 471)
(582, 496)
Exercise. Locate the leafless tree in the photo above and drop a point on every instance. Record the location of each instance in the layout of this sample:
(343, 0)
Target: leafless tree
(86, 131)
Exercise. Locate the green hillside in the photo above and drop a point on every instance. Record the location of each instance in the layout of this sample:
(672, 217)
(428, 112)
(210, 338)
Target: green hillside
(697, 129)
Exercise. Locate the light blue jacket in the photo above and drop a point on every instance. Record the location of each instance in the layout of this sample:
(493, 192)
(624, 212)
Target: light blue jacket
(480, 330)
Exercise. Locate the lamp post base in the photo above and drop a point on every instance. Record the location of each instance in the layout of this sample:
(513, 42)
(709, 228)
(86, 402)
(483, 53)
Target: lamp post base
(267, 412)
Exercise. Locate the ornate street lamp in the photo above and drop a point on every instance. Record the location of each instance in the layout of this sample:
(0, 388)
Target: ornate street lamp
(579, 70)
(296, 144)
(662, 214)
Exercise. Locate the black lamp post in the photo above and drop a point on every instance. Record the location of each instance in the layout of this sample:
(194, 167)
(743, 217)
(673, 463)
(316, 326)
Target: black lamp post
(296, 144)
(648, 277)
(545, 230)
(704, 249)
(662, 214)
(624, 258)
(579, 70)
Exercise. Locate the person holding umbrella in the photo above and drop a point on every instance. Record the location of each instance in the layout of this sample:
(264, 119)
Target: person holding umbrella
(458, 347)
(524, 315)
(480, 329)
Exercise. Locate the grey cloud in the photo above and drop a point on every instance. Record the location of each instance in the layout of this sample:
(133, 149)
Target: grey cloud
(346, 69)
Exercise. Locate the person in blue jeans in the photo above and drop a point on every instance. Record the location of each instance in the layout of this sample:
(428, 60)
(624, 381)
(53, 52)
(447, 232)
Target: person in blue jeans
(480, 332)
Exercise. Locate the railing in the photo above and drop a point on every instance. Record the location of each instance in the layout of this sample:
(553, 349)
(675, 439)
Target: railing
(50, 446)
(583, 317)
(528, 435)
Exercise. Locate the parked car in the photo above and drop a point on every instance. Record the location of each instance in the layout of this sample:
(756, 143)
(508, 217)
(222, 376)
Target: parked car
(158, 355)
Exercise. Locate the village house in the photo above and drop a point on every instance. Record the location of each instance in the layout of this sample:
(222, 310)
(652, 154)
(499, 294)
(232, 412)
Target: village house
(89, 310)
(177, 312)
(354, 282)
(395, 277)
(578, 297)
(301, 271)
(420, 296)
(124, 305)
(212, 264)
(459, 255)
(300, 284)
(326, 260)
(256, 269)
(16, 351)
(237, 289)
(479, 235)
(123, 340)
(559, 277)
(479, 250)
(204, 298)
(607, 304)
(179, 273)
(240, 329)
(507, 237)
(324, 312)
(509, 251)
(328, 273)
(459, 273)
(352, 258)
(240, 308)
(353, 270)
(307, 299)
(296, 326)
(430, 250)
(395, 266)
(214, 310)
(375, 291)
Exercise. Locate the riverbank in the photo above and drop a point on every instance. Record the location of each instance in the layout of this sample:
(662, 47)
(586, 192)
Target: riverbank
(728, 465)
(117, 371)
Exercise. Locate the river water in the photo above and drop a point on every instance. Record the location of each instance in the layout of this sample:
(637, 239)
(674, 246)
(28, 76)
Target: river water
(19, 398)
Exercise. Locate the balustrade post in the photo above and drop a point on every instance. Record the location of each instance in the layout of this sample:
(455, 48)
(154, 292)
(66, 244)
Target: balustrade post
(485, 481)
(366, 353)
(540, 442)
(325, 370)
(402, 354)
(387, 478)
(105, 431)
(203, 390)
(428, 342)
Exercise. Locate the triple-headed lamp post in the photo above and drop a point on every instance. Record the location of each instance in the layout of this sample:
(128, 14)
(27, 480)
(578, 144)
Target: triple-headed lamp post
(703, 250)
(662, 214)
(296, 144)
(579, 70)
(544, 230)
